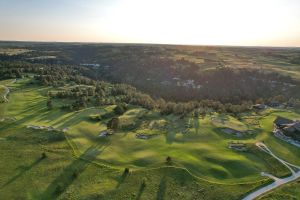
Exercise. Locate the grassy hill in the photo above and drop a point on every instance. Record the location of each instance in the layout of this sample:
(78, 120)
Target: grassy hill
(80, 164)
(62, 175)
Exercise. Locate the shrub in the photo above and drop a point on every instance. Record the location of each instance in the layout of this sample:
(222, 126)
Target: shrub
(59, 189)
(44, 155)
(168, 160)
(120, 109)
(144, 182)
(126, 170)
(75, 174)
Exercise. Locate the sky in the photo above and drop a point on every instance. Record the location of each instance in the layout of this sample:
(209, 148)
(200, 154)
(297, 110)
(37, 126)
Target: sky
(198, 22)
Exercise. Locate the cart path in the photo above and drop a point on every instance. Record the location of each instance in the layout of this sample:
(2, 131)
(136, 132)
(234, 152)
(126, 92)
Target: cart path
(7, 91)
(295, 170)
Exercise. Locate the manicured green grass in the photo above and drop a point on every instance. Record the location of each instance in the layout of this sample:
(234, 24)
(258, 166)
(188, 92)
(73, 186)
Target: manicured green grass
(223, 120)
(196, 145)
(25, 174)
(280, 148)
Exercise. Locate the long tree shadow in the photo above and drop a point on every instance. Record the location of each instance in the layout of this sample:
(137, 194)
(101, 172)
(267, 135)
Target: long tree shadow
(36, 107)
(51, 115)
(65, 119)
(161, 189)
(23, 170)
(122, 179)
(19, 122)
(70, 173)
(74, 119)
(89, 136)
(141, 190)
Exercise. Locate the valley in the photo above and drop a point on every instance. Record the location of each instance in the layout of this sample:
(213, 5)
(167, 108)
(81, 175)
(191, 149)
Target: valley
(69, 135)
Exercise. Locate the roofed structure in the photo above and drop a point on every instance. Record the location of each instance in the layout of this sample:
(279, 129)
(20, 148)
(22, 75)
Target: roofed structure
(281, 121)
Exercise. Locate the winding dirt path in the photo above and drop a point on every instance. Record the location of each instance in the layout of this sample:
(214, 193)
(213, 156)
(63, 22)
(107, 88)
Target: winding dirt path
(7, 91)
(295, 170)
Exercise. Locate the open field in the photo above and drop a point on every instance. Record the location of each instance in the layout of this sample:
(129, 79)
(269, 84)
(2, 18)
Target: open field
(54, 175)
(62, 176)
(59, 147)
(13, 51)
(202, 149)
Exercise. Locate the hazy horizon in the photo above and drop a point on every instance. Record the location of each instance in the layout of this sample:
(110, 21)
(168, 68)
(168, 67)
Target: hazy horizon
(145, 43)
(274, 23)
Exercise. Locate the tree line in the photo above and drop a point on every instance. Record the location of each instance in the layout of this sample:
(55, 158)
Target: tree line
(87, 91)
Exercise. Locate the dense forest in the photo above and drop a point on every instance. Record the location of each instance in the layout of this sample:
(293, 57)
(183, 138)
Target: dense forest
(253, 87)
(173, 79)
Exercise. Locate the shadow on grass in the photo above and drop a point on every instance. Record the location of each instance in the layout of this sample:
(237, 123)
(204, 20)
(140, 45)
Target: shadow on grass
(161, 189)
(141, 190)
(54, 114)
(19, 122)
(72, 120)
(122, 179)
(89, 136)
(65, 119)
(23, 170)
(70, 174)
(35, 107)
